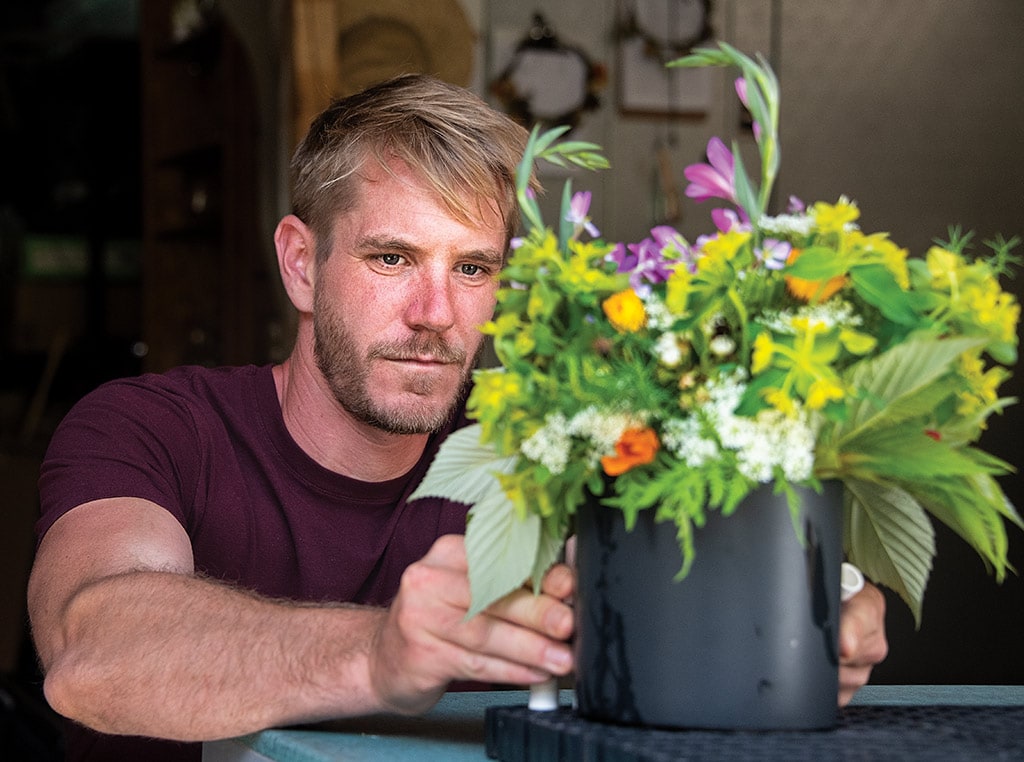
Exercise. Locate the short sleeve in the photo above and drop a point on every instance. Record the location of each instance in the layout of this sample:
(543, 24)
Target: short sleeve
(128, 438)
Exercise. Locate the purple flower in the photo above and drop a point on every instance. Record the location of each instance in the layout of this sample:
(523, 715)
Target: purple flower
(730, 219)
(774, 253)
(713, 180)
(651, 260)
(796, 206)
(577, 214)
(741, 91)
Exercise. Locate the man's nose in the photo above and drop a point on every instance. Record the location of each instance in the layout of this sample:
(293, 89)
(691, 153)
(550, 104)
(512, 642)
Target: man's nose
(432, 303)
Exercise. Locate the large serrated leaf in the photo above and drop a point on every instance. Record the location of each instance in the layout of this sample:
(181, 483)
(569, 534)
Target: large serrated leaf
(464, 469)
(890, 537)
(974, 508)
(903, 453)
(901, 372)
(549, 549)
(500, 549)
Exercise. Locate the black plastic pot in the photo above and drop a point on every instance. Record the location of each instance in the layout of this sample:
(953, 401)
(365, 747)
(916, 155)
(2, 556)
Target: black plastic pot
(748, 640)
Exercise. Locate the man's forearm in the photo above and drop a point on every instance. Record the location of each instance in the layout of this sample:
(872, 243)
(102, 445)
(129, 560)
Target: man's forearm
(174, 656)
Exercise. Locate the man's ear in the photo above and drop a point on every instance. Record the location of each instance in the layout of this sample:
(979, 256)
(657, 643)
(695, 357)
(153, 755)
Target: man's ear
(296, 260)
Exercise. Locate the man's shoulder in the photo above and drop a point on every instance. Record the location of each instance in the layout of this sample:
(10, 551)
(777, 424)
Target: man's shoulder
(189, 396)
(188, 382)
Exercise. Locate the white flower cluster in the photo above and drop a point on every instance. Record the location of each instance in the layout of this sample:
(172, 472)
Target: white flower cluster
(771, 439)
(684, 439)
(601, 428)
(835, 312)
(658, 316)
(795, 225)
(551, 444)
(787, 225)
(667, 350)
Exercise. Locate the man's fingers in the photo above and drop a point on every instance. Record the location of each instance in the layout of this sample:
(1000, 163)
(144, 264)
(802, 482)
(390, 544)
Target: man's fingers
(559, 582)
(862, 641)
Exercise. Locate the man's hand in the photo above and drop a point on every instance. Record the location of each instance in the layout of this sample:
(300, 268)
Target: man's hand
(425, 641)
(862, 642)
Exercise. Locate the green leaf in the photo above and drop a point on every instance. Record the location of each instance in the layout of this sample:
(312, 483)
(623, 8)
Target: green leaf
(973, 508)
(501, 550)
(463, 469)
(565, 225)
(549, 549)
(746, 193)
(877, 285)
(545, 139)
(901, 372)
(816, 263)
(889, 536)
(907, 453)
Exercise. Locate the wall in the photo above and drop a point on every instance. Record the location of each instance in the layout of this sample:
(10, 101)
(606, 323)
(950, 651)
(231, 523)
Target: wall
(911, 108)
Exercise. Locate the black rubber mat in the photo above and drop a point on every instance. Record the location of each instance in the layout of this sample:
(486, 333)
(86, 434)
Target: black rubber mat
(516, 734)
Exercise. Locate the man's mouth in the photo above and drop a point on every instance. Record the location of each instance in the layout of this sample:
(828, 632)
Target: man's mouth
(436, 355)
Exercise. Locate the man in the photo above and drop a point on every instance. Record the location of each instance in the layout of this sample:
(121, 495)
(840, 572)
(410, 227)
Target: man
(228, 550)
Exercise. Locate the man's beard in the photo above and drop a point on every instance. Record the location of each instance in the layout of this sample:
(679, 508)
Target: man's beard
(347, 374)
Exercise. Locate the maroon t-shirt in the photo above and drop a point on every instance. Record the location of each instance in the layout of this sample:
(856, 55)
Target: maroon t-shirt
(211, 446)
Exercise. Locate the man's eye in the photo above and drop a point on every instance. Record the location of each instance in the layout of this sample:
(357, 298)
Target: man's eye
(391, 259)
(472, 270)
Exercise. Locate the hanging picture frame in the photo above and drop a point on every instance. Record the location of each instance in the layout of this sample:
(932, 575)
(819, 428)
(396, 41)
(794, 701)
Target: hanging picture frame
(547, 81)
(651, 33)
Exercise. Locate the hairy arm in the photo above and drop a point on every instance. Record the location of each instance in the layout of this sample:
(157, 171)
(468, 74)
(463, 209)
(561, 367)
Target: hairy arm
(133, 642)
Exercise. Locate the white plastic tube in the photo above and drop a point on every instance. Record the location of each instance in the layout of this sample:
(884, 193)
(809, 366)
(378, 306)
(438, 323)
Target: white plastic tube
(851, 581)
(544, 696)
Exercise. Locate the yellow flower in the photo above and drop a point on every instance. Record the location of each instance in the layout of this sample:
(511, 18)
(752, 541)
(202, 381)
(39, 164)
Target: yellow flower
(677, 290)
(494, 388)
(857, 343)
(580, 273)
(636, 447)
(625, 311)
(524, 343)
(504, 325)
(992, 308)
(943, 266)
(542, 301)
(833, 218)
(764, 348)
(983, 385)
(722, 248)
(823, 391)
(895, 260)
(780, 400)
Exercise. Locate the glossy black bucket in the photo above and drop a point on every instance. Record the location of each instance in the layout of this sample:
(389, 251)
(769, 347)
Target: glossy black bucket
(748, 640)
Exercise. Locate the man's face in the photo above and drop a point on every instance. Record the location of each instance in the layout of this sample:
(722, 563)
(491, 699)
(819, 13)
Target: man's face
(398, 303)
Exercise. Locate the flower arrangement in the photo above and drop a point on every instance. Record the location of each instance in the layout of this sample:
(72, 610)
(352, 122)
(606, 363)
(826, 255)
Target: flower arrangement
(677, 376)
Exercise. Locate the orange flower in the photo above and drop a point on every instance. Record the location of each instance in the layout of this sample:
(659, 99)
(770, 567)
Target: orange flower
(634, 448)
(808, 290)
(625, 311)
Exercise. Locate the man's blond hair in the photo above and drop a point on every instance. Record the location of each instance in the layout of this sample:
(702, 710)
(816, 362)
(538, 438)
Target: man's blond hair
(464, 150)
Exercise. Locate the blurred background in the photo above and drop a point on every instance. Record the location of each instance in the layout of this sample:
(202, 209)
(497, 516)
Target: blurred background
(143, 160)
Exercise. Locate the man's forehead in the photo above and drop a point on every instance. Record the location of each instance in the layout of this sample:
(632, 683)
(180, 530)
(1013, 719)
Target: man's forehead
(470, 208)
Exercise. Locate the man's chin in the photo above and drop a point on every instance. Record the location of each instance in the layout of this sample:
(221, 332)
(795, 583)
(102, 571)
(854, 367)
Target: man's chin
(417, 417)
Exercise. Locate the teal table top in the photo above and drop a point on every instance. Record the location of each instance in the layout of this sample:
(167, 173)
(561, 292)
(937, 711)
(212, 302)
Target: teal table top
(454, 730)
